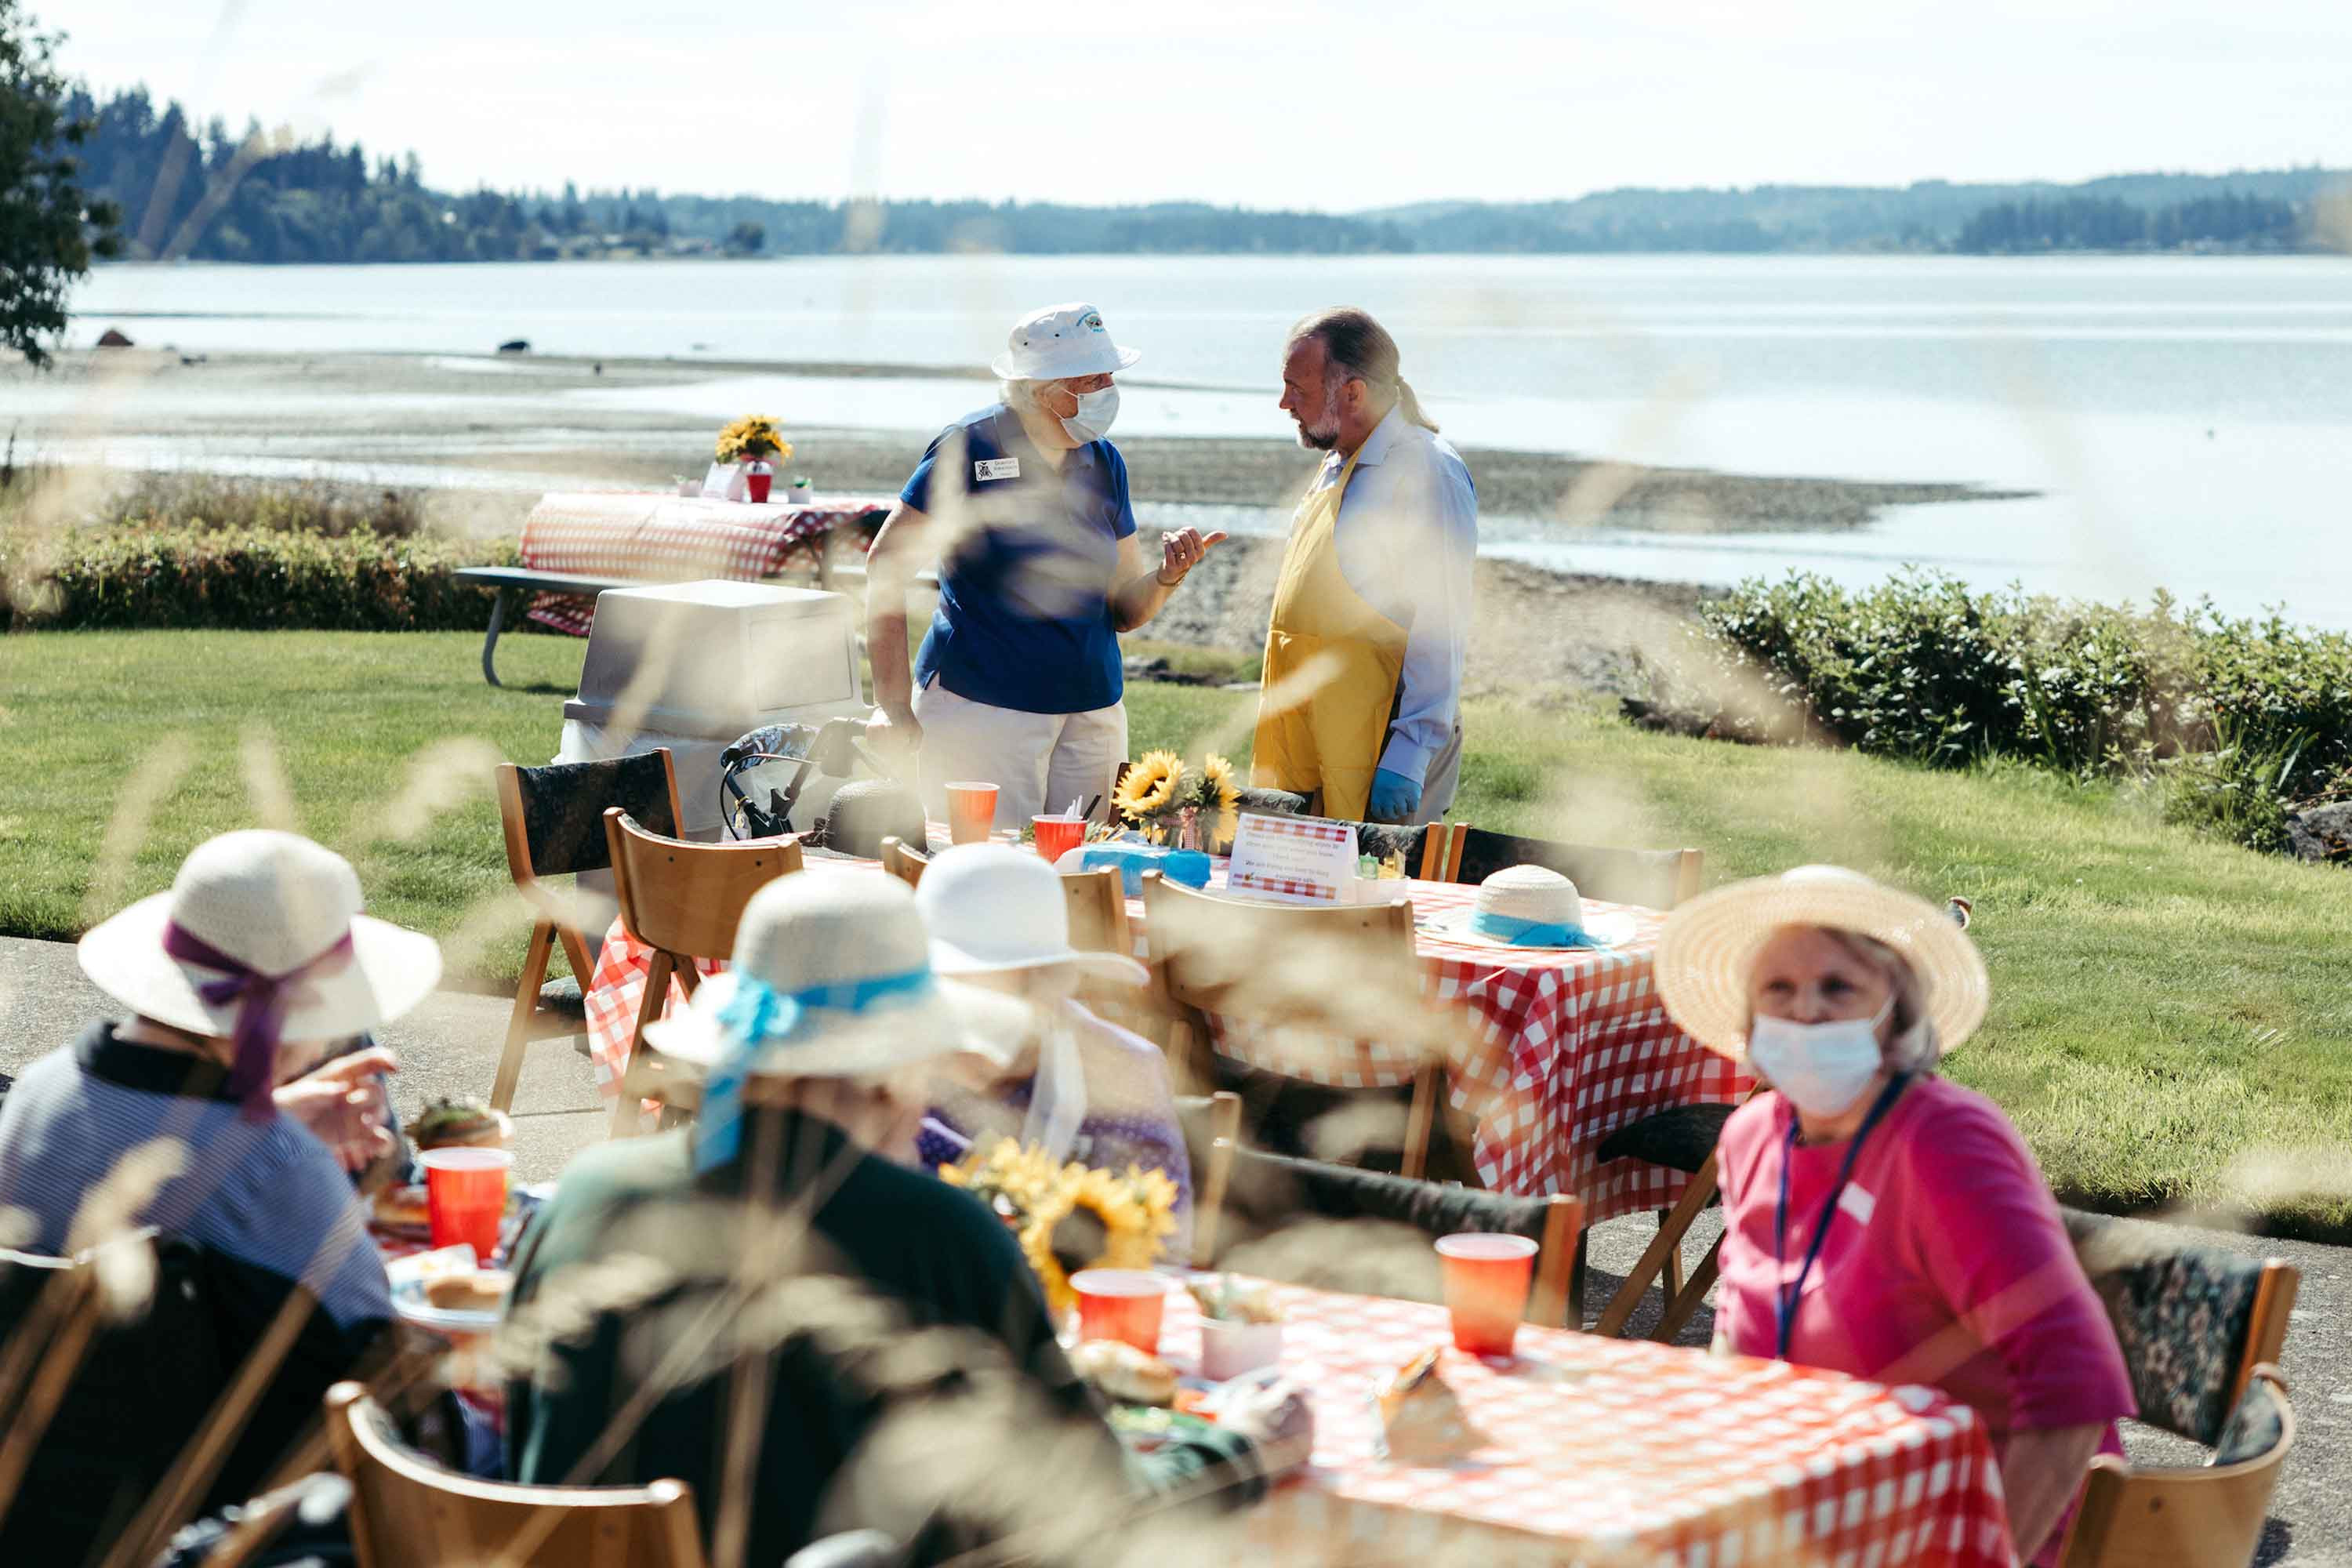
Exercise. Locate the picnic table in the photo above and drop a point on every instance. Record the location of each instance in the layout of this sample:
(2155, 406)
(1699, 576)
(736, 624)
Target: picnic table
(575, 546)
(1568, 1047)
(1607, 1451)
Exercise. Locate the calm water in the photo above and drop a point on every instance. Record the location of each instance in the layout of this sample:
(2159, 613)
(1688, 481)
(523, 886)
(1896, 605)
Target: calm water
(2185, 416)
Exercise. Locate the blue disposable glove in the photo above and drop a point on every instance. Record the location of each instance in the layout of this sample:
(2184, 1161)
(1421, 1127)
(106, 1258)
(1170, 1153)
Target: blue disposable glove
(1394, 797)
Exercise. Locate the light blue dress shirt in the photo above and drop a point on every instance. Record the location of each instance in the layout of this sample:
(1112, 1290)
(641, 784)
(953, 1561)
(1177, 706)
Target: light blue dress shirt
(1408, 541)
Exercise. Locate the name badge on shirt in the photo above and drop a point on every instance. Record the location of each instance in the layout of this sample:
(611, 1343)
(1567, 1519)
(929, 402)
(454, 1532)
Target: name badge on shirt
(1858, 1203)
(996, 468)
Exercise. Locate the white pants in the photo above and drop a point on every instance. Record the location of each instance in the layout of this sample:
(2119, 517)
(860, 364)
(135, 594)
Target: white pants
(1038, 762)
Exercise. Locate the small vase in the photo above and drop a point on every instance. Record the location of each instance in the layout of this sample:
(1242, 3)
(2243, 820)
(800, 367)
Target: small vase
(1188, 828)
(757, 477)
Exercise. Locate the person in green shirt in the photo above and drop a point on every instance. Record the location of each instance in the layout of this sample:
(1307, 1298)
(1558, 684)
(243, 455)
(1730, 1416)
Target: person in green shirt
(773, 1307)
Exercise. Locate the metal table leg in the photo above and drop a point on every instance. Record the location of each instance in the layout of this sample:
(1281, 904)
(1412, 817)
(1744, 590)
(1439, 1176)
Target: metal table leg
(490, 640)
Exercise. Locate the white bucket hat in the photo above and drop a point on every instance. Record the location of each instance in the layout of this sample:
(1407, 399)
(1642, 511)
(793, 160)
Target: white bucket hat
(260, 939)
(1058, 343)
(1707, 950)
(992, 908)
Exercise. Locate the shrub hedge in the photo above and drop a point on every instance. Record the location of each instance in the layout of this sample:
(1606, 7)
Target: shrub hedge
(2248, 718)
(243, 579)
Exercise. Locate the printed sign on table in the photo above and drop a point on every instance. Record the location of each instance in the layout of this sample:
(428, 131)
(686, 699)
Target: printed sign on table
(1292, 859)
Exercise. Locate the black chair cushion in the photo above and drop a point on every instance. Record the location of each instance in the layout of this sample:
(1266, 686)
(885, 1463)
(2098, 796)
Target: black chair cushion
(563, 807)
(1381, 840)
(2256, 1427)
(563, 996)
(142, 1390)
(1270, 802)
(2181, 1313)
(1643, 877)
(864, 812)
(1679, 1139)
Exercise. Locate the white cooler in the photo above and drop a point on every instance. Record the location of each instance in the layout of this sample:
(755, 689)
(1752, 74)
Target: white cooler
(693, 666)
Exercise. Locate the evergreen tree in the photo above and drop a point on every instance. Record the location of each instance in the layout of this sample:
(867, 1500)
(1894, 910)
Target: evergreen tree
(48, 229)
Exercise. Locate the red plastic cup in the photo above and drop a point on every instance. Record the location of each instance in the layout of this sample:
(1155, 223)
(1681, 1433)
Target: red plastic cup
(757, 484)
(1122, 1304)
(1057, 836)
(1487, 1283)
(971, 812)
(466, 1197)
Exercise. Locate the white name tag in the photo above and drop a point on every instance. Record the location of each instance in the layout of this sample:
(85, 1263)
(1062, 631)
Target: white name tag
(1857, 1203)
(996, 468)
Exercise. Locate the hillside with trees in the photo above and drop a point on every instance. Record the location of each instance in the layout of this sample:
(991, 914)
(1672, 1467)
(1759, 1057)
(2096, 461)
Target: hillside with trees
(207, 193)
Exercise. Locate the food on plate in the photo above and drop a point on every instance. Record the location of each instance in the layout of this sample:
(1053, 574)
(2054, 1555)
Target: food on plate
(1406, 1381)
(402, 1207)
(459, 1121)
(1228, 1300)
(1125, 1375)
(482, 1290)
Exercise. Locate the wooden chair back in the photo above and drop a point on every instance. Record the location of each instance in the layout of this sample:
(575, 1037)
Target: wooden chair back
(1653, 879)
(686, 898)
(1330, 994)
(1212, 1124)
(2194, 1321)
(1098, 902)
(1272, 1203)
(2200, 1516)
(903, 863)
(407, 1511)
(1430, 849)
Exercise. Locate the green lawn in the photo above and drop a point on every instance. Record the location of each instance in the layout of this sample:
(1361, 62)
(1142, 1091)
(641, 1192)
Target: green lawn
(2172, 1017)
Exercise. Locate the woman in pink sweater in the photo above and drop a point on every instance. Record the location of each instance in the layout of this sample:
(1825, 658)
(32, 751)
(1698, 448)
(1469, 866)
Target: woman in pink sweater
(1878, 1219)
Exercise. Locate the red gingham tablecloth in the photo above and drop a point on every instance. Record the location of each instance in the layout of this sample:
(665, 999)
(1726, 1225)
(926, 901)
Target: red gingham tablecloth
(1616, 1451)
(1570, 1045)
(672, 537)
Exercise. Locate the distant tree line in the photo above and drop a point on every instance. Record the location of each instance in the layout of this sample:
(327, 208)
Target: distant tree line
(206, 192)
(2231, 220)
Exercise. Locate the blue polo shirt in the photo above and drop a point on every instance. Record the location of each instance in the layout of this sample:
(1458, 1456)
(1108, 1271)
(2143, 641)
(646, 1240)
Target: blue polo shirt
(1025, 619)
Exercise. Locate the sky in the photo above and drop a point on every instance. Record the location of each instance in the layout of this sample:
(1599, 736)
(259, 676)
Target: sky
(1269, 103)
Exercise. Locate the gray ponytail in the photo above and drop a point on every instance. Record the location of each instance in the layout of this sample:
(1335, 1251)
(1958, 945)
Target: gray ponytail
(1360, 349)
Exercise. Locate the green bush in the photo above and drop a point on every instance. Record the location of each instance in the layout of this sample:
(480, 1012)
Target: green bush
(2244, 720)
(243, 579)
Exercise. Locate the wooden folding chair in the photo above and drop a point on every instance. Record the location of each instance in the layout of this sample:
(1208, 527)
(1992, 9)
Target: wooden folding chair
(903, 863)
(1430, 849)
(553, 818)
(683, 901)
(407, 1511)
(1310, 986)
(2194, 1516)
(1211, 1125)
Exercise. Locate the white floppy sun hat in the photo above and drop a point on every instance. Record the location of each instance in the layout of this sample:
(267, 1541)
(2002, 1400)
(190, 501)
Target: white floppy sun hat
(1707, 951)
(846, 957)
(992, 908)
(1060, 342)
(259, 910)
(1532, 906)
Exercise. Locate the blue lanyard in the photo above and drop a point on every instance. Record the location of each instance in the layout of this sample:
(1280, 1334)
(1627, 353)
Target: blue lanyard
(1786, 1296)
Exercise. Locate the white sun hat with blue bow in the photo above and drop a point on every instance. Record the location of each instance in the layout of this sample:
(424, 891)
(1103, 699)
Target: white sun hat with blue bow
(831, 977)
(1532, 906)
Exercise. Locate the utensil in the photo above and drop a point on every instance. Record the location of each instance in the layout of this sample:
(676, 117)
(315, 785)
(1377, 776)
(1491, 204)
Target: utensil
(1486, 1281)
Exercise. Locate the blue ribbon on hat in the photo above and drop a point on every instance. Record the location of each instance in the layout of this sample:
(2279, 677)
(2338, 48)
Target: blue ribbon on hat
(758, 1014)
(1532, 933)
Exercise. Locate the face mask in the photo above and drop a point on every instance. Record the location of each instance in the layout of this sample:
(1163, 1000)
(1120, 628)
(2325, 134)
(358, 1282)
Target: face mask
(1096, 410)
(1820, 1068)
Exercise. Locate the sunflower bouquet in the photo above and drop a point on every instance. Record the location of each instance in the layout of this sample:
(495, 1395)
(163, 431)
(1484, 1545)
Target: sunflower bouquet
(753, 439)
(1161, 797)
(1069, 1216)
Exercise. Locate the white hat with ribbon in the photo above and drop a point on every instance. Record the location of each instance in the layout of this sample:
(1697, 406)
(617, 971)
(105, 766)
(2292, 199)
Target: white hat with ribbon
(260, 939)
(1060, 342)
(991, 907)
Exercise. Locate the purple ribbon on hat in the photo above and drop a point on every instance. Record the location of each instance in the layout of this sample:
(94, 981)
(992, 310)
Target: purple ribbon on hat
(260, 1001)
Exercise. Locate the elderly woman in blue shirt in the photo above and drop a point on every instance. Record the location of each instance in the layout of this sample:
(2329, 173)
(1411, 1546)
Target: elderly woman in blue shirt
(1024, 505)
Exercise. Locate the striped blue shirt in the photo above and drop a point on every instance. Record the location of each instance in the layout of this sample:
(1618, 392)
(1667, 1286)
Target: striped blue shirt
(265, 1194)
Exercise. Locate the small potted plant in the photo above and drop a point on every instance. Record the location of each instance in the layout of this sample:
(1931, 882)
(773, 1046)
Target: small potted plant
(755, 445)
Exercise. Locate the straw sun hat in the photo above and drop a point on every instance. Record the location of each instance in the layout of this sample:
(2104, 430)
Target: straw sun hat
(246, 909)
(1707, 951)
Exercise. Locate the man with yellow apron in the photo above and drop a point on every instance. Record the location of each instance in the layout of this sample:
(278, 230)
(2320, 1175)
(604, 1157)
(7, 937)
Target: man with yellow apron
(1362, 705)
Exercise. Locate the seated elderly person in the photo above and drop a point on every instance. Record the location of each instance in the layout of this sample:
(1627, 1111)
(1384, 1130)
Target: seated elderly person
(234, 980)
(1024, 505)
(899, 1352)
(1082, 1087)
(1878, 1218)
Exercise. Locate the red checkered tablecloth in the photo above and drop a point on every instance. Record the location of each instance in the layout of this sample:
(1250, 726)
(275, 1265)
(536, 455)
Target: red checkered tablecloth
(1568, 1047)
(672, 539)
(1614, 1451)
